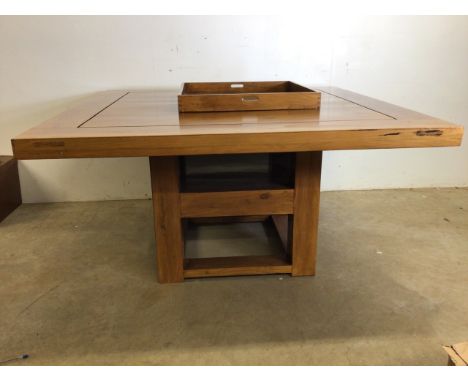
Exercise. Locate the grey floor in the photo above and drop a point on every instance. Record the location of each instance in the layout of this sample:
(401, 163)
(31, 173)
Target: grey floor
(78, 286)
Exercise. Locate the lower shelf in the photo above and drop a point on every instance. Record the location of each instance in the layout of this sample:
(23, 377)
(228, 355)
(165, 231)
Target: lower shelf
(235, 266)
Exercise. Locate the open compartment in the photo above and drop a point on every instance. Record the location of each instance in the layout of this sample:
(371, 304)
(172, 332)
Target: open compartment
(252, 245)
(238, 172)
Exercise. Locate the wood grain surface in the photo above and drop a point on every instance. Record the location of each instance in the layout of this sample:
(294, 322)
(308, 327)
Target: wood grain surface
(167, 219)
(235, 266)
(147, 123)
(306, 213)
(236, 203)
(243, 96)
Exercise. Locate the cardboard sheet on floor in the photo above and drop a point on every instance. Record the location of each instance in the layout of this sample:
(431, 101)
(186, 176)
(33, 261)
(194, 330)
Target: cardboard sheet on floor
(458, 354)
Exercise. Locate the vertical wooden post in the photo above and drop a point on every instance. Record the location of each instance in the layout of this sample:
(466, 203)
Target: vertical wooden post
(283, 225)
(10, 191)
(167, 221)
(306, 212)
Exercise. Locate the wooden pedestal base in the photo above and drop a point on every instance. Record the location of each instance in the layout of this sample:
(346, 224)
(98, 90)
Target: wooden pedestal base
(294, 210)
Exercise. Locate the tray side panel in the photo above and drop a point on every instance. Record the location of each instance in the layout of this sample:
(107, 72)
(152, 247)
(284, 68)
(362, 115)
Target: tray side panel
(197, 88)
(248, 102)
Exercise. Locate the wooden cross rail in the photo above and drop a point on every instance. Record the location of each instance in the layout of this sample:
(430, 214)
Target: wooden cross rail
(298, 235)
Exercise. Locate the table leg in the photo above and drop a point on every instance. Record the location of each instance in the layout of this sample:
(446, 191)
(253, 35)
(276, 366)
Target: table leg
(165, 183)
(306, 212)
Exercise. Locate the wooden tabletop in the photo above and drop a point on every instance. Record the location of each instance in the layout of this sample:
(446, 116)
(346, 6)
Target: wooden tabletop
(147, 123)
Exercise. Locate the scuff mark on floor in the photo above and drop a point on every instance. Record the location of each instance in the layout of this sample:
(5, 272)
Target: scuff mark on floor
(38, 298)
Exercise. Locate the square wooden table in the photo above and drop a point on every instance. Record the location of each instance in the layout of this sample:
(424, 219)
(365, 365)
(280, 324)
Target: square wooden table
(147, 123)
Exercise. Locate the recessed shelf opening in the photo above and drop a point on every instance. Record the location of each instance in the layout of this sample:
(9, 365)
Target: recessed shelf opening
(211, 173)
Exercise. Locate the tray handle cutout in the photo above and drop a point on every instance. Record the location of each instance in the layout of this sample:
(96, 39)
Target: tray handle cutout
(249, 99)
(237, 86)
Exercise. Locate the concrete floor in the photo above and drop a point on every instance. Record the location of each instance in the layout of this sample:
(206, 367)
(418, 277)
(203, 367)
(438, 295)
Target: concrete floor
(78, 286)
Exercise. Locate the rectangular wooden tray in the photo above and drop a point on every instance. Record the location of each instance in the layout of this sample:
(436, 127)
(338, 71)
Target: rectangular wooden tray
(246, 96)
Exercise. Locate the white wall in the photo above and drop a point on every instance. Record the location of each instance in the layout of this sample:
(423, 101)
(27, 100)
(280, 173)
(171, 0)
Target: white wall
(49, 63)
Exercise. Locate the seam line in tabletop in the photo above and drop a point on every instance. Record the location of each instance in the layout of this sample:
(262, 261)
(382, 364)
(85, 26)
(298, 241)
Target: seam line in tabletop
(356, 103)
(104, 108)
(235, 123)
